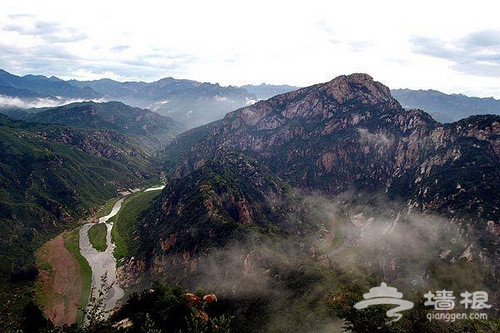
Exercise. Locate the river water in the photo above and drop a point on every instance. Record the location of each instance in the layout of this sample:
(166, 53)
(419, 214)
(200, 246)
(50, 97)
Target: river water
(102, 262)
(155, 188)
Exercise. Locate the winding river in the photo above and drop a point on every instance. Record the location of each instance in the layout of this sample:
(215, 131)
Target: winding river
(102, 262)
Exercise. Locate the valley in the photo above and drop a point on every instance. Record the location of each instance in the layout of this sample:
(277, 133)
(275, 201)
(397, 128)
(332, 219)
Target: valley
(72, 267)
(102, 263)
(287, 209)
(52, 176)
(249, 167)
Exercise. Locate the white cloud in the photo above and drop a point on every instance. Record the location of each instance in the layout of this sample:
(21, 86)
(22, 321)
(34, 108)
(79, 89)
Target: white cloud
(236, 43)
(218, 98)
(8, 102)
(374, 139)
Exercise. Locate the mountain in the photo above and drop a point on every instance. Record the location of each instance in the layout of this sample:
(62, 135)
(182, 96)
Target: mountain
(50, 177)
(446, 108)
(266, 91)
(190, 102)
(236, 192)
(273, 206)
(38, 86)
(233, 227)
(350, 134)
(333, 184)
(149, 128)
(395, 174)
(14, 112)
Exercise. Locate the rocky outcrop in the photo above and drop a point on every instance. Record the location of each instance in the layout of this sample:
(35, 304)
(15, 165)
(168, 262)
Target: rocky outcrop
(232, 200)
(348, 139)
(228, 193)
(351, 134)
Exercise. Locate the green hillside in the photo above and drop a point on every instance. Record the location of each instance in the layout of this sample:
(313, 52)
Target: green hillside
(149, 128)
(51, 176)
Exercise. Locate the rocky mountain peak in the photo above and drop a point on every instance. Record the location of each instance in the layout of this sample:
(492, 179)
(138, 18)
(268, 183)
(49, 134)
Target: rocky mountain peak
(358, 86)
(350, 133)
(341, 96)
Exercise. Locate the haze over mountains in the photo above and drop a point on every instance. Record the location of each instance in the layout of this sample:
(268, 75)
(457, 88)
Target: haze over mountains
(446, 108)
(189, 102)
(272, 207)
(195, 103)
(393, 180)
(148, 128)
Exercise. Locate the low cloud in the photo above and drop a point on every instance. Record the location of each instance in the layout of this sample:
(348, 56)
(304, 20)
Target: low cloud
(50, 32)
(15, 102)
(477, 53)
(374, 139)
(356, 242)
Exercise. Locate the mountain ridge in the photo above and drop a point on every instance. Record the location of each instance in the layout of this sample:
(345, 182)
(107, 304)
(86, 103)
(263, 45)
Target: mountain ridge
(399, 197)
(446, 107)
(191, 102)
(151, 129)
(349, 133)
(41, 86)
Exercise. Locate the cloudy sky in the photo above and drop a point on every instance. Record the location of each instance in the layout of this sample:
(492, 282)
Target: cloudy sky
(421, 44)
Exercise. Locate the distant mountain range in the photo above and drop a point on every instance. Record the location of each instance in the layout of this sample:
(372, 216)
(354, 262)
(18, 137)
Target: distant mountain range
(38, 86)
(148, 128)
(189, 102)
(266, 91)
(443, 107)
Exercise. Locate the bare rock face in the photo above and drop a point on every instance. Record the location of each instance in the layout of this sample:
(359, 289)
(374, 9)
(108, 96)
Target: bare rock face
(345, 136)
(307, 122)
(319, 101)
(358, 86)
(351, 134)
